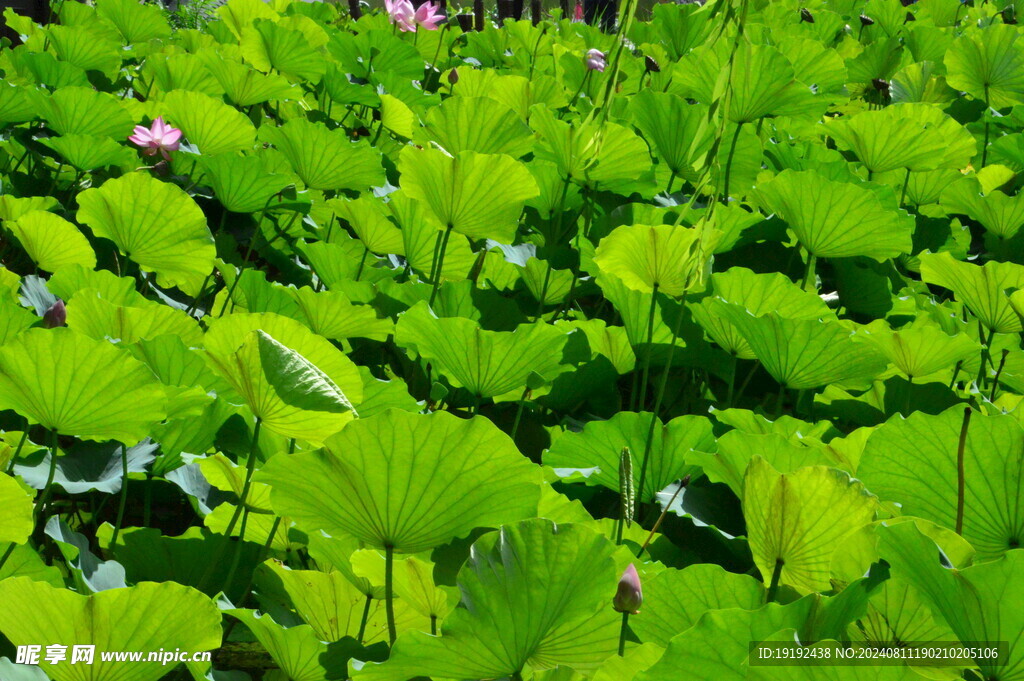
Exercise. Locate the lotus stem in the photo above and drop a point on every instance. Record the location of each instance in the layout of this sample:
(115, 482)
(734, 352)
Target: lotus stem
(7, 554)
(362, 263)
(995, 379)
(389, 588)
(960, 478)
(647, 350)
(809, 282)
(124, 494)
(17, 450)
(435, 274)
(622, 634)
(984, 144)
(773, 587)
(903, 192)
(519, 412)
(654, 420)
(366, 618)
(728, 163)
(664, 512)
(544, 291)
(48, 488)
(433, 625)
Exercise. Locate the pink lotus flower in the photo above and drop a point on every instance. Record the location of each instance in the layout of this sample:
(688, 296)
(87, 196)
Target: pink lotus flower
(595, 60)
(428, 15)
(401, 12)
(629, 596)
(159, 137)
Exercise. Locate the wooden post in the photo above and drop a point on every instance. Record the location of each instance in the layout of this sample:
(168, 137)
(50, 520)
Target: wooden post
(478, 14)
(536, 9)
(465, 22)
(354, 9)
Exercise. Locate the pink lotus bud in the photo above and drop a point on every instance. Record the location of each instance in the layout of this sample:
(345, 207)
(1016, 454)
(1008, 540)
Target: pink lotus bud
(595, 60)
(56, 316)
(629, 596)
(453, 76)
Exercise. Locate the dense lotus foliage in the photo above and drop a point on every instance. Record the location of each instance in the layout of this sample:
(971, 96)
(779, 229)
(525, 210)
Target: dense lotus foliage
(376, 349)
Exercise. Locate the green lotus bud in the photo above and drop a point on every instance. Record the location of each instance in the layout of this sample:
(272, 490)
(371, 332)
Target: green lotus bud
(629, 596)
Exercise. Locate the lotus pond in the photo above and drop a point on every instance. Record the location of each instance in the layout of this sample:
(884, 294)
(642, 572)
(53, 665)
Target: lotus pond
(378, 349)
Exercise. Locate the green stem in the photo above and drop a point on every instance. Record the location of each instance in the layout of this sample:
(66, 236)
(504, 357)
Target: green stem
(999, 371)
(984, 146)
(147, 507)
(543, 292)
(622, 634)
(365, 619)
(903, 192)
(985, 353)
(435, 275)
(647, 350)
(960, 475)
(362, 263)
(389, 595)
(661, 518)
(773, 587)
(124, 494)
(48, 488)
(433, 625)
(779, 403)
(654, 416)
(7, 554)
(728, 163)
(519, 413)
(250, 468)
(809, 275)
(17, 450)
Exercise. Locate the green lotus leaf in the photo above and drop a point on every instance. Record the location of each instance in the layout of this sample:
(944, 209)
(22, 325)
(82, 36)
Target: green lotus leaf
(562, 575)
(136, 23)
(912, 136)
(736, 449)
(988, 65)
(486, 363)
(51, 241)
(242, 183)
(922, 350)
(652, 257)
(144, 617)
(913, 461)
(13, 320)
(112, 288)
(335, 553)
(998, 213)
(477, 124)
(87, 49)
(796, 521)
(244, 85)
(413, 583)
(609, 157)
(297, 650)
(803, 353)
(91, 315)
(478, 195)
(717, 646)
(234, 350)
(274, 46)
(677, 131)
(675, 600)
(834, 219)
(761, 81)
(209, 123)
(325, 159)
(239, 15)
(368, 219)
(42, 68)
(979, 603)
(611, 342)
(89, 152)
(922, 82)
(597, 450)
(422, 237)
(758, 294)
(407, 481)
(17, 525)
(297, 381)
(154, 223)
(82, 111)
(333, 606)
(980, 287)
(13, 207)
(163, 73)
(78, 386)
(17, 104)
